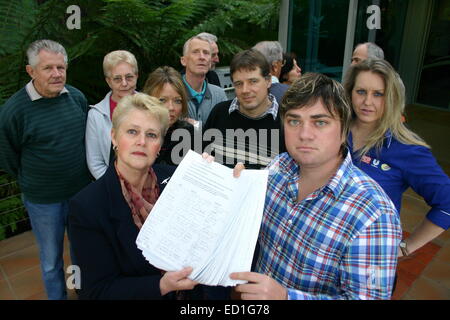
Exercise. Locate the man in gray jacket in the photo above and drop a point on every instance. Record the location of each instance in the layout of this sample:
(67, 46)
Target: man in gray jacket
(203, 96)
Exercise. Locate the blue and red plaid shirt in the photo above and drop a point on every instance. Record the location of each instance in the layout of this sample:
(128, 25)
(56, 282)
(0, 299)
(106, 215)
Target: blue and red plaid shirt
(340, 242)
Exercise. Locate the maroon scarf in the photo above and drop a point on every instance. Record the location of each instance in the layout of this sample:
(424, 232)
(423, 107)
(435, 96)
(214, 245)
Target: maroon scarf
(140, 204)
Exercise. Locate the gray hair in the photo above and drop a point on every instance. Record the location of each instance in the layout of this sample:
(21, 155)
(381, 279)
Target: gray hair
(373, 51)
(48, 45)
(271, 50)
(113, 58)
(186, 44)
(207, 36)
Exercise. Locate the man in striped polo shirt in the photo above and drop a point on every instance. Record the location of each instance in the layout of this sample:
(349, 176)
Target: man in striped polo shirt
(42, 129)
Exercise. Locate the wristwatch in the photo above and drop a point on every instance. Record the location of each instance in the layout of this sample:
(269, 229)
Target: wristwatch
(404, 248)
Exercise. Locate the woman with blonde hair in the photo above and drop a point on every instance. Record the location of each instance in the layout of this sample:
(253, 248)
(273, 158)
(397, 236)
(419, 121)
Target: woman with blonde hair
(393, 155)
(121, 73)
(106, 216)
(166, 84)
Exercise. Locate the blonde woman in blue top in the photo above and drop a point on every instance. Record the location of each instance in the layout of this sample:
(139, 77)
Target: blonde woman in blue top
(397, 158)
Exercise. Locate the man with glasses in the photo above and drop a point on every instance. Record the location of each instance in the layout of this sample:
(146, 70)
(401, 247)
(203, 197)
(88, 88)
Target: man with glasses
(42, 129)
(273, 52)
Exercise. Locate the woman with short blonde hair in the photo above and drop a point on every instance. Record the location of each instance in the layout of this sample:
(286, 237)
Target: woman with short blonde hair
(106, 216)
(143, 102)
(113, 58)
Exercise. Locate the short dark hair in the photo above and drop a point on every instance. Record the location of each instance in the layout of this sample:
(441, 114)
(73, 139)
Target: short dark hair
(250, 60)
(287, 67)
(313, 86)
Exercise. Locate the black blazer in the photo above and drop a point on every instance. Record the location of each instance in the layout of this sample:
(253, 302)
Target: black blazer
(102, 236)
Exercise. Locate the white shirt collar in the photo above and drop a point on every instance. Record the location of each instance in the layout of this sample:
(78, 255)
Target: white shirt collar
(34, 95)
(273, 109)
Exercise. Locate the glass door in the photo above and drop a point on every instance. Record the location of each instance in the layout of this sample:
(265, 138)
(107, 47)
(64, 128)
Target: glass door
(434, 86)
(317, 35)
(389, 36)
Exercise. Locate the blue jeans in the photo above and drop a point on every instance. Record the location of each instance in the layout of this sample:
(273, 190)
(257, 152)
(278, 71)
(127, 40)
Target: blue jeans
(48, 222)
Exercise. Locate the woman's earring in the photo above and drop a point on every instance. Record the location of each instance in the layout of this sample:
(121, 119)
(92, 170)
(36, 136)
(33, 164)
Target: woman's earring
(115, 148)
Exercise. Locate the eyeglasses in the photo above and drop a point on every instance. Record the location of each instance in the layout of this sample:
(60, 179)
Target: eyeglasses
(128, 78)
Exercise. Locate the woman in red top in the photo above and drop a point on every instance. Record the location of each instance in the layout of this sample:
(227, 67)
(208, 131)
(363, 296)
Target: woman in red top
(121, 73)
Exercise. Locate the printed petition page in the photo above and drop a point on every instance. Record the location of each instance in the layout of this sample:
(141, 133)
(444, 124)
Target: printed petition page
(206, 219)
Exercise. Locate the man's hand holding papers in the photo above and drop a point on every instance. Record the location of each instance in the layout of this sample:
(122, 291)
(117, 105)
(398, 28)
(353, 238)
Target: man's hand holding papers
(259, 287)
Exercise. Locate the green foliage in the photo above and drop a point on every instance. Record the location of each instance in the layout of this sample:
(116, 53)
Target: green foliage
(11, 208)
(154, 31)
(16, 21)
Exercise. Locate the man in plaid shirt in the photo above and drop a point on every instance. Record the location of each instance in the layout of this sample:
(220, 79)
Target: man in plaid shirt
(329, 231)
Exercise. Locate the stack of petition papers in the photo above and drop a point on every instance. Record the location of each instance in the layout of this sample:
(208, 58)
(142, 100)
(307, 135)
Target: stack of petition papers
(205, 219)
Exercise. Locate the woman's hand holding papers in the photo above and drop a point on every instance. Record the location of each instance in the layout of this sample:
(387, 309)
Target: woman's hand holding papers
(176, 280)
(209, 158)
(236, 170)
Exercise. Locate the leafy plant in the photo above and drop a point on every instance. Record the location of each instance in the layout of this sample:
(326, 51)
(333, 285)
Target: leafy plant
(12, 210)
(154, 31)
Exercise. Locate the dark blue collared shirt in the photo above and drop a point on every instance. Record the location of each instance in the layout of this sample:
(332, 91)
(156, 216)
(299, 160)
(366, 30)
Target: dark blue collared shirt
(398, 166)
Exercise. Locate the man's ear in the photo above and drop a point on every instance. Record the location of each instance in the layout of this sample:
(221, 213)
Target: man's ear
(183, 61)
(30, 71)
(275, 68)
(268, 80)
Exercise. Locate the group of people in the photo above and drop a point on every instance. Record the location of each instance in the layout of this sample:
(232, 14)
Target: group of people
(339, 159)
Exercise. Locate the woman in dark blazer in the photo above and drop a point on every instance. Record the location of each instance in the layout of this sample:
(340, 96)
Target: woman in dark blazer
(105, 217)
